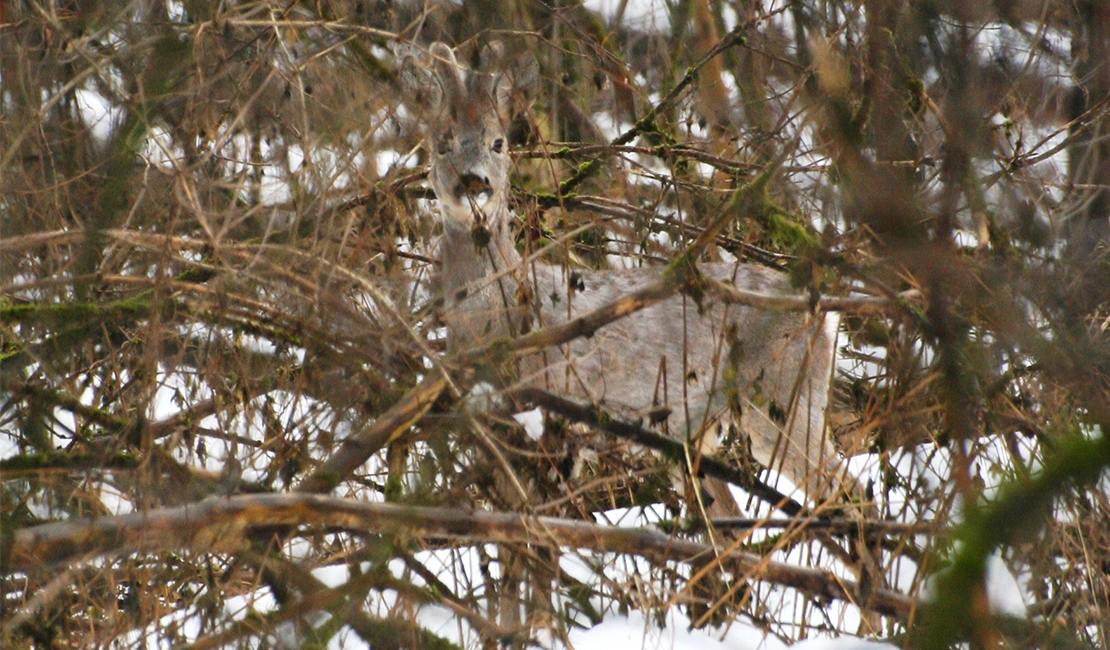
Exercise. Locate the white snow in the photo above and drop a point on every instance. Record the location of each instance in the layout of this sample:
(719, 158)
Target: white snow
(634, 631)
(644, 14)
(1003, 591)
(842, 643)
(532, 421)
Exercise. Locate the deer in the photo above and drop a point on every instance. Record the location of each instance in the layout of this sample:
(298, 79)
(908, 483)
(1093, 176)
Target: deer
(676, 360)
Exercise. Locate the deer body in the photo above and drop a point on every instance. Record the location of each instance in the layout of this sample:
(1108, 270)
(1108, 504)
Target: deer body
(776, 366)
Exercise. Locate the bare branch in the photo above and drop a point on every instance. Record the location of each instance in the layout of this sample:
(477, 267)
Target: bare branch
(221, 525)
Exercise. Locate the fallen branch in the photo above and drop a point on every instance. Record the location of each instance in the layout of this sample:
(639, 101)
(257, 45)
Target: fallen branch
(222, 525)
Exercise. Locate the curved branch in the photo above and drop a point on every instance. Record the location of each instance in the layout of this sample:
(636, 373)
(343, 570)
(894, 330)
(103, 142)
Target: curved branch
(223, 524)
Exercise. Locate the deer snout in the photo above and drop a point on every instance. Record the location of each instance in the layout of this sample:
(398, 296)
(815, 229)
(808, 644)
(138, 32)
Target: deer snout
(473, 186)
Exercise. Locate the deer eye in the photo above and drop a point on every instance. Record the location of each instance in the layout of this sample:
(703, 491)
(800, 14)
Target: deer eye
(498, 144)
(444, 148)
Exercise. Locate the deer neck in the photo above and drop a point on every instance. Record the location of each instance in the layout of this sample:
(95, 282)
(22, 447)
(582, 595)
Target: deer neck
(469, 267)
(481, 284)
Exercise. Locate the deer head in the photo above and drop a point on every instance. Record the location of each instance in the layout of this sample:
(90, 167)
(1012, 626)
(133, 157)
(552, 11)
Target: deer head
(465, 113)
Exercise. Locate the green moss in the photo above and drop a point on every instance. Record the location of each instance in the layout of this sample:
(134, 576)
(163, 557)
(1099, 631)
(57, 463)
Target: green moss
(69, 312)
(499, 351)
(9, 349)
(603, 417)
(581, 173)
(875, 331)
(196, 275)
(785, 231)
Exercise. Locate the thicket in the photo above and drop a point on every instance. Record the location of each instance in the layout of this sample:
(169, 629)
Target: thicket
(222, 379)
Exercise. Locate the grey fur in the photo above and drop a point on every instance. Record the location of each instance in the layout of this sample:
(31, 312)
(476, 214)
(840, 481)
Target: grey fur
(774, 367)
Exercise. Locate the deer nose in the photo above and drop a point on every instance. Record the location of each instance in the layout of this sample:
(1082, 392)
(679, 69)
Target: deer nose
(474, 186)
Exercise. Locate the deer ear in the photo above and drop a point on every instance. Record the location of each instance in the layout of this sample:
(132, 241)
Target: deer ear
(446, 68)
(422, 92)
(431, 86)
(515, 87)
(489, 59)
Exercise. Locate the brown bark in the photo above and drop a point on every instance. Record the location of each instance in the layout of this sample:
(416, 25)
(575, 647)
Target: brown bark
(223, 524)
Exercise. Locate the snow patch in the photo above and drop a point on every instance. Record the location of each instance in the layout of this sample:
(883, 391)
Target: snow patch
(532, 421)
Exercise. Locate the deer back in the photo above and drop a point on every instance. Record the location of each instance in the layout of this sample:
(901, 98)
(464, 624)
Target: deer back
(691, 367)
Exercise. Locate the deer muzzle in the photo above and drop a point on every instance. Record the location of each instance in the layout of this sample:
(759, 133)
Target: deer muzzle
(473, 188)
